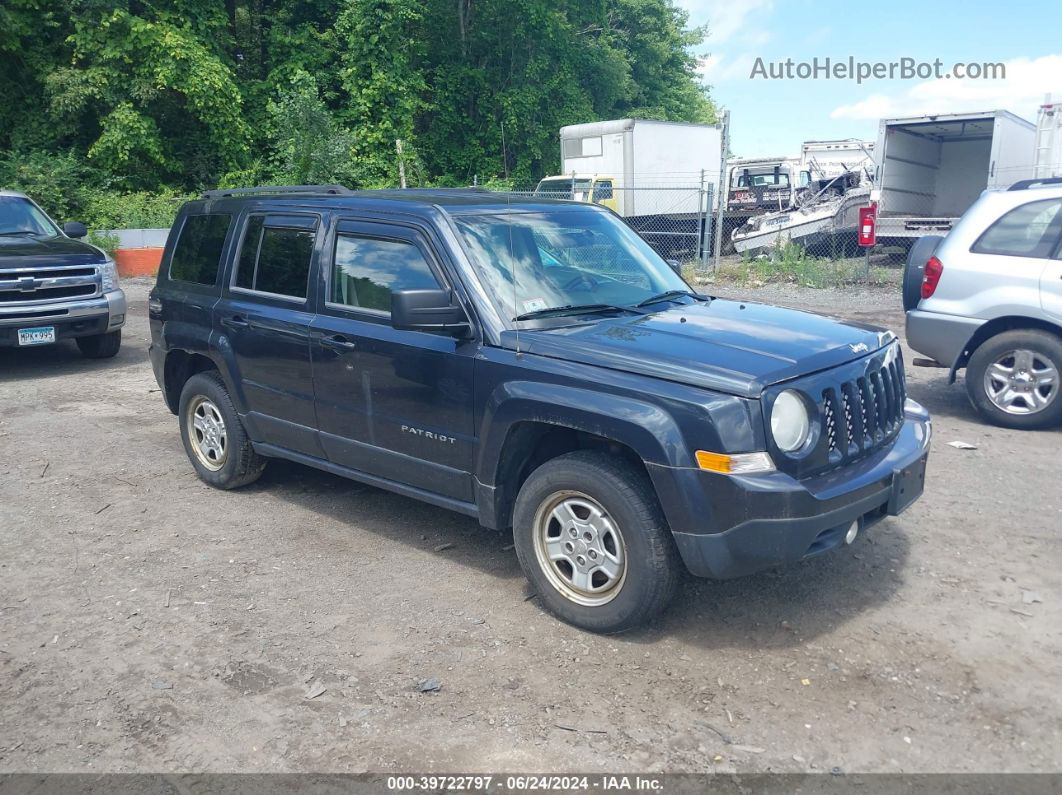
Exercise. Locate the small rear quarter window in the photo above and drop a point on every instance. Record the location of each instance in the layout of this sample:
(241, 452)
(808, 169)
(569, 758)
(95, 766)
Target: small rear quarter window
(197, 254)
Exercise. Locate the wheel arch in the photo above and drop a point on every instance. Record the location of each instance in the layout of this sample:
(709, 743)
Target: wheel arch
(535, 423)
(995, 327)
(178, 367)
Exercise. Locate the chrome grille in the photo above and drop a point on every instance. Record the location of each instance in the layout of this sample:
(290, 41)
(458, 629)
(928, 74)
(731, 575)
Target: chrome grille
(27, 286)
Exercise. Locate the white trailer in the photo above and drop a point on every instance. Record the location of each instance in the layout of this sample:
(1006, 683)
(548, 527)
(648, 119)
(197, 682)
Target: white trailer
(930, 169)
(830, 158)
(655, 166)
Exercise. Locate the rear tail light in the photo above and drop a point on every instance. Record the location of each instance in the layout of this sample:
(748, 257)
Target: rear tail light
(931, 276)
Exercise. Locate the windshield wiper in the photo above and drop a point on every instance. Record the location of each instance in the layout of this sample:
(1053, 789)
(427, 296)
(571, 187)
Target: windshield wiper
(670, 294)
(575, 309)
(19, 232)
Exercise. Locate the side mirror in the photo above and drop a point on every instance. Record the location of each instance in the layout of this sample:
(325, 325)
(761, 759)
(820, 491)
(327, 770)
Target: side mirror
(428, 310)
(675, 265)
(74, 229)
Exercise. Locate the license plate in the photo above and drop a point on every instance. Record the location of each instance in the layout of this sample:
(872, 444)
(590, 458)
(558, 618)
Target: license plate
(43, 335)
(907, 486)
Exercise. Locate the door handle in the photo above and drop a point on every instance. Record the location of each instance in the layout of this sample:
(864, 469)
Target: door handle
(338, 342)
(236, 321)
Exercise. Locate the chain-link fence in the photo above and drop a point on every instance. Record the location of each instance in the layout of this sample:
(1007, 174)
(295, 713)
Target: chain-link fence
(675, 220)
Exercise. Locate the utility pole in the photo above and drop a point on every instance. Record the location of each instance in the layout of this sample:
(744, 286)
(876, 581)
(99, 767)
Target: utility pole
(720, 199)
(401, 164)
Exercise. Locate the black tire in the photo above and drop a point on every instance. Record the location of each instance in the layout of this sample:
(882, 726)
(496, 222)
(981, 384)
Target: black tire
(240, 464)
(100, 346)
(917, 257)
(1047, 349)
(652, 565)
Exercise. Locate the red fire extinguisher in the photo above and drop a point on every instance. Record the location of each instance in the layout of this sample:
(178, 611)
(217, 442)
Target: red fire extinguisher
(868, 226)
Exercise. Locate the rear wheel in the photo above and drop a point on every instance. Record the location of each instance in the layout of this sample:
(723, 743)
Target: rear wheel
(213, 435)
(100, 346)
(1013, 379)
(592, 540)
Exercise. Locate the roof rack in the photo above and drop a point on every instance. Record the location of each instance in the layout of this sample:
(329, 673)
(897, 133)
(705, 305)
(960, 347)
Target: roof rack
(272, 189)
(1025, 184)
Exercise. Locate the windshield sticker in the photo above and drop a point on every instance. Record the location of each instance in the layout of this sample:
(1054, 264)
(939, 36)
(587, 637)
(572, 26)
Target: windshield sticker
(534, 304)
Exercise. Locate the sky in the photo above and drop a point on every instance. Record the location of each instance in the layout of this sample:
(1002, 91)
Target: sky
(773, 117)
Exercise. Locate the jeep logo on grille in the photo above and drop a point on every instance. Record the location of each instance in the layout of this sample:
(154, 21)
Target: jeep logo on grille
(27, 284)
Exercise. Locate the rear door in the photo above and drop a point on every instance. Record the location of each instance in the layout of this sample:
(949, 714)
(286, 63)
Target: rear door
(264, 320)
(181, 314)
(1017, 254)
(392, 403)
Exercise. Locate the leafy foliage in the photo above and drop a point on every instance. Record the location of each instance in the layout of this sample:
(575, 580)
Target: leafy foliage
(169, 97)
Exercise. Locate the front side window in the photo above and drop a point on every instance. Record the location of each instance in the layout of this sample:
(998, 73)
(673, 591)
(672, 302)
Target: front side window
(275, 259)
(603, 190)
(561, 187)
(1026, 231)
(367, 269)
(21, 217)
(538, 261)
(197, 254)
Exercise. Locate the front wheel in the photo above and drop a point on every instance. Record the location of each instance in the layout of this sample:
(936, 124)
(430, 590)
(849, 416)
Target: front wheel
(592, 540)
(1013, 379)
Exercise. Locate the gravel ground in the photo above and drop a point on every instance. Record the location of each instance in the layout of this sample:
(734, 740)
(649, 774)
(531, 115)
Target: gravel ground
(151, 623)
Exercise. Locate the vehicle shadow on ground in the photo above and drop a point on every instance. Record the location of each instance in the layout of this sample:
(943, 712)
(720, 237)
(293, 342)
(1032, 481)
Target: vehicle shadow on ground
(790, 605)
(812, 597)
(391, 517)
(64, 359)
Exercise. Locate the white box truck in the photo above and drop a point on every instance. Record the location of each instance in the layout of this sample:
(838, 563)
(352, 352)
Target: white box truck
(930, 169)
(655, 174)
(649, 167)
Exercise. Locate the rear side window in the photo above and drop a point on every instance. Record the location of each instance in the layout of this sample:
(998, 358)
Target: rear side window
(367, 269)
(197, 254)
(275, 258)
(1030, 230)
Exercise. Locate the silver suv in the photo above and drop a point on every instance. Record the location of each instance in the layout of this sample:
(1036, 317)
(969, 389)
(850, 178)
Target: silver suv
(988, 297)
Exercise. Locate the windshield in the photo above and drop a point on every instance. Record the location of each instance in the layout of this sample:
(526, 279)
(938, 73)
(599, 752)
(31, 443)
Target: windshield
(761, 180)
(532, 262)
(561, 188)
(20, 216)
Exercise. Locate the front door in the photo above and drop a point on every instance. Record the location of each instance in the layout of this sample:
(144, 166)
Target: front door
(264, 316)
(395, 404)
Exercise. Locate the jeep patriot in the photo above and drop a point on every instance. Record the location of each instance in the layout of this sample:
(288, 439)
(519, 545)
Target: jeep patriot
(531, 363)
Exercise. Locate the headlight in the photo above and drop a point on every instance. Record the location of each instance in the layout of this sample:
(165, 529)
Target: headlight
(789, 421)
(108, 276)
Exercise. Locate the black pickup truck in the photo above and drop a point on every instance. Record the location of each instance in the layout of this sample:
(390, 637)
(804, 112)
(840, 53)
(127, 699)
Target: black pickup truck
(533, 364)
(54, 286)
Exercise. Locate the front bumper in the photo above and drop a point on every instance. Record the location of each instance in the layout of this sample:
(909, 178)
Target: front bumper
(70, 319)
(774, 519)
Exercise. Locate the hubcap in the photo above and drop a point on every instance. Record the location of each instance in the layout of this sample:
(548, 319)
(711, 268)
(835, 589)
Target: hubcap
(206, 428)
(579, 548)
(1021, 382)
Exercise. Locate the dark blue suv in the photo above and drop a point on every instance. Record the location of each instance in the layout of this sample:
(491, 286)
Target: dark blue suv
(533, 364)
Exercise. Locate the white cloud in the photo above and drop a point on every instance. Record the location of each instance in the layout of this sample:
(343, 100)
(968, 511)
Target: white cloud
(718, 68)
(728, 18)
(1028, 79)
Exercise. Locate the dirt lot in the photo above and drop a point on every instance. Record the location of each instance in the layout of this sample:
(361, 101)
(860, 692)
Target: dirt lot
(150, 623)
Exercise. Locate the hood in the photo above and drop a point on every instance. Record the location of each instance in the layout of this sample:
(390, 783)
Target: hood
(32, 252)
(728, 346)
